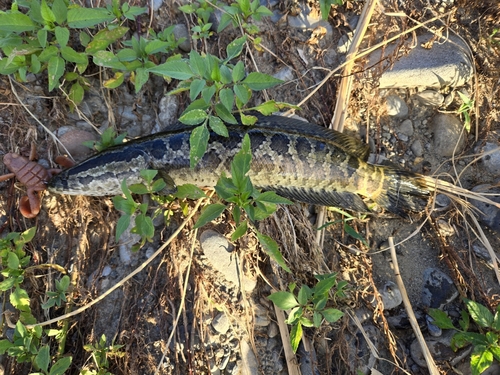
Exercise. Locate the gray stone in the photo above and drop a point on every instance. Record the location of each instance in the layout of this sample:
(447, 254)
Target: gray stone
(249, 365)
(416, 148)
(307, 20)
(217, 250)
(169, 105)
(449, 134)
(482, 253)
(433, 329)
(221, 323)
(440, 348)
(490, 214)
(261, 316)
(491, 158)
(308, 360)
(396, 107)
(445, 64)
(430, 98)
(406, 128)
(157, 4)
(391, 295)
(438, 289)
(285, 74)
(442, 200)
(344, 43)
(181, 31)
(273, 330)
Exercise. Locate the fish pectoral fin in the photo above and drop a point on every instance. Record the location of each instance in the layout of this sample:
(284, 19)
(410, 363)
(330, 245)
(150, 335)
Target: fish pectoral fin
(170, 187)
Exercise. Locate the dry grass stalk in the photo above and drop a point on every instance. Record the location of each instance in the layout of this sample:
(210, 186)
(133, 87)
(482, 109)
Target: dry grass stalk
(129, 276)
(433, 370)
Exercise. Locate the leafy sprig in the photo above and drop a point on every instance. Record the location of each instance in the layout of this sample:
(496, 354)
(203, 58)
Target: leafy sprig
(486, 343)
(308, 306)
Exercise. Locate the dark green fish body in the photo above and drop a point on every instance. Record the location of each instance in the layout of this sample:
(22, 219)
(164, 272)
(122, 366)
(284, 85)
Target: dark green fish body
(298, 160)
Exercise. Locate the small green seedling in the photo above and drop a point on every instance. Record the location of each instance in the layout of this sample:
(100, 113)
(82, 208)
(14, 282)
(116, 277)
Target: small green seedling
(308, 307)
(486, 342)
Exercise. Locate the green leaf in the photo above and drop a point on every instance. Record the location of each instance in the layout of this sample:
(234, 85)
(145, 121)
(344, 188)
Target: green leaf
(260, 81)
(495, 350)
(248, 119)
(225, 75)
(84, 38)
(198, 142)
(480, 360)
(16, 22)
(138, 189)
(61, 366)
(226, 97)
(234, 48)
(195, 88)
(271, 248)
(239, 231)
(35, 64)
(351, 232)
(441, 319)
(48, 16)
(64, 283)
(218, 126)
(207, 93)
(62, 35)
(121, 226)
(224, 114)
(210, 213)
(304, 295)
(155, 46)
(76, 93)
(323, 286)
(5, 345)
(197, 63)
(80, 18)
(176, 69)
(19, 299)
(42, 359)
(104, 38)
(60, 11)
(55, 70)
(332, 315)
(272, 197)
(193, 117)
(241, 164)
(42, 37)
(243, 93)
(284, 300)
(296, 336)
(144, 226)
(116, 81)
(225, 20)
(108, 59)
(496, 320)
(238, 72)
(480, 314)
(69, 54)
(28, 235)
(317, 319)
(141, 77)
(12, 261)
(189, 191)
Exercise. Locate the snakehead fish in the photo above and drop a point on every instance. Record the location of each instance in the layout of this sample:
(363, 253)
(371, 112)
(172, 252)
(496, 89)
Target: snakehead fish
(300, 161)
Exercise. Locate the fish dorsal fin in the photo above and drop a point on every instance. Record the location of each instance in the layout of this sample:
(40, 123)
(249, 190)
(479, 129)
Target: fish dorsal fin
(348, 144)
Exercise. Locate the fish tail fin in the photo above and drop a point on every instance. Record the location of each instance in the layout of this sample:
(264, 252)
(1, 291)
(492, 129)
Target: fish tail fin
(402, 192)
(405, 191)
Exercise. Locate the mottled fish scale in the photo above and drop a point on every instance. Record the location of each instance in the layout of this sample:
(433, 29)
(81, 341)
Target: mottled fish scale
(299, 160)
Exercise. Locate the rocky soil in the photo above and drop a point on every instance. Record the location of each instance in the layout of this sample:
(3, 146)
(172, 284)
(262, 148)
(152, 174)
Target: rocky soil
(200, 306)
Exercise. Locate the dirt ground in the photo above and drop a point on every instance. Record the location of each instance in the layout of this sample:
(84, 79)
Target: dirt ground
(77, 233)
